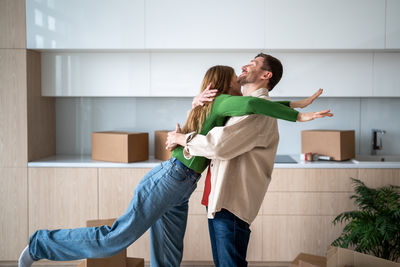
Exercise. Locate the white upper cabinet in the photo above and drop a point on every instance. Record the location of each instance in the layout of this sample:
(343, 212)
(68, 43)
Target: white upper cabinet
(204, 24)
(387, 74)
(339, 74)
(393, 24)
(181, 74)
(95, 74)
(88, 24)
(325, 24)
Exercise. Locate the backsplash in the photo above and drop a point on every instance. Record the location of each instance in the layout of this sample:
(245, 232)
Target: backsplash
(77, 117)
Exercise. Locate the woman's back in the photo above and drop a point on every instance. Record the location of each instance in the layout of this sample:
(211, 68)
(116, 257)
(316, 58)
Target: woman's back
(225, 106)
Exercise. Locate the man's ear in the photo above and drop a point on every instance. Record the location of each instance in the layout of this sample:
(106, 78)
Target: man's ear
(267, 75)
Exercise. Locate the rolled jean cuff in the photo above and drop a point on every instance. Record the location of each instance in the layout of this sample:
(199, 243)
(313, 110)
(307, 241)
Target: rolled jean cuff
(30, 246)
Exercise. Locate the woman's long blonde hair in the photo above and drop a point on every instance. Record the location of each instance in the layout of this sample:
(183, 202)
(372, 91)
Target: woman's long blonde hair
(220, 77)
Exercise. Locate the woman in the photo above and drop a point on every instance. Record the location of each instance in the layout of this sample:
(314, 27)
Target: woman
(161, 199)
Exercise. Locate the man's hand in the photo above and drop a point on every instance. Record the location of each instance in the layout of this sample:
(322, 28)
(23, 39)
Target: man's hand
(307, 101)
(309, 116)
(207, 95)
(175, 138)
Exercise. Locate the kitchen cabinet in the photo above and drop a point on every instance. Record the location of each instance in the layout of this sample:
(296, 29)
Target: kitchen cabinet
(62, 197)
(225, 24)
(41, 113)
(301, 204)
(306, 203)
(314, 24)
(95, 74)
(181, 74)
(296, 215)
(284, 237)
(116, 188)
(299, 208)
(312, 180)
(197, 246)
(339, 74)
(13, 108)
(12, 30)
(386, 81)
(380, 177)
(91, 24)
(14, 212)
(392, 24)
(170, 74)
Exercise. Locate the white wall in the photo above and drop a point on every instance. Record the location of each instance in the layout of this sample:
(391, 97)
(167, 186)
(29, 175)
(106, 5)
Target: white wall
(78, 117)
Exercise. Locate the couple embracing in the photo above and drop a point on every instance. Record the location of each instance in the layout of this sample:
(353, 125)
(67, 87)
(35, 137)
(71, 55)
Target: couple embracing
(235, 136)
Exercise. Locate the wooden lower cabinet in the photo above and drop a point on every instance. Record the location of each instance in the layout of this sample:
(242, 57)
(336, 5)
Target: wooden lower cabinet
(296, 215)
(312, 180)
(14, 212)
(299, 208)
(285, 236)
(116, 188)
(62, 197)
(380, 177)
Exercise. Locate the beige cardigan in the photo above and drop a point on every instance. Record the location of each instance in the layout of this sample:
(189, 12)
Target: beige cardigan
(242, 153)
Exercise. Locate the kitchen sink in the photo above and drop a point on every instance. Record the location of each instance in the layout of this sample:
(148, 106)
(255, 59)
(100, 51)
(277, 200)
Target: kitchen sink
(376, 158)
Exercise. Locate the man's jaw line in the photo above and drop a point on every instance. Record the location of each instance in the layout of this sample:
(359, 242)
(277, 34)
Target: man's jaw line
(247, 87)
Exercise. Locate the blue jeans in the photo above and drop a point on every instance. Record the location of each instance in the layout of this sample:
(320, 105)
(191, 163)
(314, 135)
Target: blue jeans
(160, 201)
(229, 237)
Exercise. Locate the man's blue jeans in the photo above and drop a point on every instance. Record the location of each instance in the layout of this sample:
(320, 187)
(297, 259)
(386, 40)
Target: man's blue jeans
(160, 201)
(229, 237)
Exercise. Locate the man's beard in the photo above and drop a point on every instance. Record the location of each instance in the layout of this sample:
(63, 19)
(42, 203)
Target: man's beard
(246, 79)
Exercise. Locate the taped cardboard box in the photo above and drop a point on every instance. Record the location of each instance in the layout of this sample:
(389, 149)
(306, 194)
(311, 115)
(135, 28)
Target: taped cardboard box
(160, 137)
(118, 260)
(134, 262)
(337, 144)
(121, 147)
(340, 257)
(308, 260)
(130, 262)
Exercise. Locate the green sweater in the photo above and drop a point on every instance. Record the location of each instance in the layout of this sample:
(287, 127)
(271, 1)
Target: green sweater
(225, 106)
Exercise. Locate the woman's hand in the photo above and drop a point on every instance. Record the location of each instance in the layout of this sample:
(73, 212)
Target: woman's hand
(175, 138)
(309, 116)
(207, 95)
(307, 101)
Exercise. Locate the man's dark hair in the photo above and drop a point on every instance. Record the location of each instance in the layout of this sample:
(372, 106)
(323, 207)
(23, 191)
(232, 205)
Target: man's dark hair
(273, 65)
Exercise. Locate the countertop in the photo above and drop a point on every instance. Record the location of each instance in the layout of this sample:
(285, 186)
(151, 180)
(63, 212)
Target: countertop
(85, 161)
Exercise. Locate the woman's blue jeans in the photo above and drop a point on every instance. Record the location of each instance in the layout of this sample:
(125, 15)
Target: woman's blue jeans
(160, 202)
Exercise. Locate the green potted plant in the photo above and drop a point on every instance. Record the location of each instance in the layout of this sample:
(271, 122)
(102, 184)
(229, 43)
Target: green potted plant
(375, 226)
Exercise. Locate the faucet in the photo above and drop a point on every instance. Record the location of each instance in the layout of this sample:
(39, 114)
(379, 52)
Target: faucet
(376, 143)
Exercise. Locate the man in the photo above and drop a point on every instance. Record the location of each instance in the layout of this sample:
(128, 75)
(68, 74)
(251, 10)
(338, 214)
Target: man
(242, 153)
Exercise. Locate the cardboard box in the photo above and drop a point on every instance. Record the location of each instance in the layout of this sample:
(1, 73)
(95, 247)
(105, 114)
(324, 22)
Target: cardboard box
(340, 257)
(118, 260)
(160, 137)
(134, 262)
(340, 145)
(308, 260)
(130, 262)
(122, 147)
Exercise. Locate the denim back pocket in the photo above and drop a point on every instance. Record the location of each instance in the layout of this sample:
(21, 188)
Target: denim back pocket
(178, 173)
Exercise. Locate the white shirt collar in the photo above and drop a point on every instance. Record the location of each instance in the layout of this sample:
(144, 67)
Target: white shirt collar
(260, 92)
